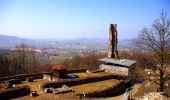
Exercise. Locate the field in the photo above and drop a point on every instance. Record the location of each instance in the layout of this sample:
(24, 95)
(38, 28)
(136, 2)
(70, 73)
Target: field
(58, 59)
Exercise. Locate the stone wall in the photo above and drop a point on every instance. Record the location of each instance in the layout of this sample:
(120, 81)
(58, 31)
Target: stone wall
(115, 89)
(78, 81)
(115, 69)
(47, 77)
(36, 75)
(132, 71)
(107, 91)
(24, 76)
(50, 77)
(77, 71)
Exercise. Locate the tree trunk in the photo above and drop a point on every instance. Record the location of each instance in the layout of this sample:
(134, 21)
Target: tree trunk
(161, 81)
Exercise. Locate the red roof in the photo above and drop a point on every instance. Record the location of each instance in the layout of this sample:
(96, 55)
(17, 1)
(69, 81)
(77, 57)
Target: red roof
(59, 67)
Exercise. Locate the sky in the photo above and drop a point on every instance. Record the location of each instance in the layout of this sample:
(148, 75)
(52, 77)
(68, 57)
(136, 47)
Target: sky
(71, 19)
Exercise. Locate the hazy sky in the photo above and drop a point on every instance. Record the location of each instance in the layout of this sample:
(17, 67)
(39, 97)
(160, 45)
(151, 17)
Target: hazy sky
(58, 19)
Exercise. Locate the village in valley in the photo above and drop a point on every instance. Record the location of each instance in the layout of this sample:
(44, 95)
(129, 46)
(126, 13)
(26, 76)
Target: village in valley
(88, 69)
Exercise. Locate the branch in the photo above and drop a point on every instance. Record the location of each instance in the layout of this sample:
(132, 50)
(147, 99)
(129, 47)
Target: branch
(166, 77)
(155, 82)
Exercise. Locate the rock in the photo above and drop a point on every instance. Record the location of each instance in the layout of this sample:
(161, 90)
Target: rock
(63, 89)
(33, 93)
(48, 90)
(29, 79)
(80, 95)
(154, 96)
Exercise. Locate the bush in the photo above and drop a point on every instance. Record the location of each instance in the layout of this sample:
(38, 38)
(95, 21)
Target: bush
(14, 81)
(14, 92)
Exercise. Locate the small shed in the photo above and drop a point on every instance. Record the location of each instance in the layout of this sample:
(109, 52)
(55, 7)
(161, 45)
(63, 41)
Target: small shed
(124, 67)
(59, 71)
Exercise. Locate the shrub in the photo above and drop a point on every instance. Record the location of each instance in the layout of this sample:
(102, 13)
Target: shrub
(14, 92)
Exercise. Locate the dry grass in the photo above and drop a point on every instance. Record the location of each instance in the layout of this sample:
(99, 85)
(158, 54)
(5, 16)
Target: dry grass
(140, 71)
(145, 88)
(103, 73)
(82, 75)
(34, 85)
(94, 85)
(86, 74)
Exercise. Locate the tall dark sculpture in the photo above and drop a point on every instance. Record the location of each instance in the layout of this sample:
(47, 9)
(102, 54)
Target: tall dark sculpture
(113, 52)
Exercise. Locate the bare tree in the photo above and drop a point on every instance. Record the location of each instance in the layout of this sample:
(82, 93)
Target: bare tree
(156, 40)
(4, 64)
(24, 59)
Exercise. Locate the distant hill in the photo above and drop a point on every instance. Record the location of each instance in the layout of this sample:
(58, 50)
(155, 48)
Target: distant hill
(7, 42)
(127, 43)
(6, 38)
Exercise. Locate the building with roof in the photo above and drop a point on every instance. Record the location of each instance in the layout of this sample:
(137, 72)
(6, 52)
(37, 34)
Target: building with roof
(123, 67)
(59, 71)
(113, 63)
